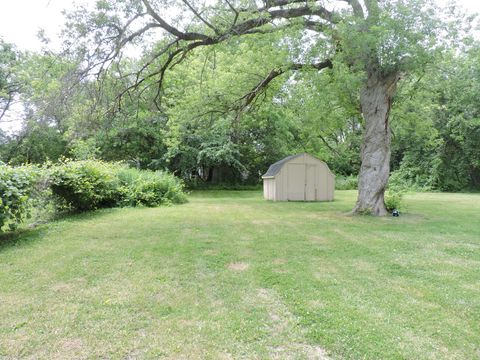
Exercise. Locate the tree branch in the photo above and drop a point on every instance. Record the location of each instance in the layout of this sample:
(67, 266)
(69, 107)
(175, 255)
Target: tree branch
(197, 14)
(172, 30)
(357, 8)
(7, 105)
(247, 99)
(373, 9)
(187, 41)
(235, 11)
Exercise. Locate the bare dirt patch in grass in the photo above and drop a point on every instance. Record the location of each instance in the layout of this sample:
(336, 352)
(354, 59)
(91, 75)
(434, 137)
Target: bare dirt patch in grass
(66, 348)
(261, 222)
(238, 266)
(62, 287)
(292, 351)
(211, 252)
(280, 317)
(283, 325)
(72, 345)
(279, 266)
(317, 304)
(279, 261)
(318, 239)
(363, 265)
(326, 270)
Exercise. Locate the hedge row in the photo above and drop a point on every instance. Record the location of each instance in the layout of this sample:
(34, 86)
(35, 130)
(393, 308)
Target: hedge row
(82, 186)
(16, 186)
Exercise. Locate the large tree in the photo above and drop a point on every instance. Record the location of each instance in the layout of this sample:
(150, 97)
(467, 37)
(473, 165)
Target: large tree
(9, 86)
(382, 40)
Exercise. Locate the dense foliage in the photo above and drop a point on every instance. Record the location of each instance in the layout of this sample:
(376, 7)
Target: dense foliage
(149, 188)
(435, 125)
(86, 185)
(16, 187)
(81, 186)
(197, 134)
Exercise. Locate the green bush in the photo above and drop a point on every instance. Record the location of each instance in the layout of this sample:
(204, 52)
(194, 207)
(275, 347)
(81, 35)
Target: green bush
(92, 184)
(16, 186)
(150, 188)
(202, 185)
(87, 184)
(402, 180)
(393, 200)
(346, 182)
(83, 185)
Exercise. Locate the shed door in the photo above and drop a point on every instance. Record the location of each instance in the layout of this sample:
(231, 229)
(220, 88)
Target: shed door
(296, 182)
(310, 186)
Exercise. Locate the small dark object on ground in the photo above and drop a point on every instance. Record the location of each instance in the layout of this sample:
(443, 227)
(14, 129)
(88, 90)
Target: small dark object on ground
(395, 213)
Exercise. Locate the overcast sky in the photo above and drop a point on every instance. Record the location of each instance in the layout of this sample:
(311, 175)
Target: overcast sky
(20, 20)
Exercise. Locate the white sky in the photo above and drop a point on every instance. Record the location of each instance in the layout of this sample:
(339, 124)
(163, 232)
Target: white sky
(20, 21)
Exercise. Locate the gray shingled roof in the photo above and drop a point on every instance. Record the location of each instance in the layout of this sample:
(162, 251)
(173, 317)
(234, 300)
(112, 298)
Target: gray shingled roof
(275, 168)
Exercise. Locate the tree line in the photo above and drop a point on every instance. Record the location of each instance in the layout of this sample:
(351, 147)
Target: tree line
(241, 86)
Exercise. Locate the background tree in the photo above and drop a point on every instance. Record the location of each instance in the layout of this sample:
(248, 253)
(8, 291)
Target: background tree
(9, 85)
(437, 126)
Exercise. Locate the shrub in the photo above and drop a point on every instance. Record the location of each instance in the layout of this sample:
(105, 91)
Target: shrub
(202, 185)
(44, 206)
(92, 184)
(406, 180)
(86, 185)
(393, 200)
(16, 185)
(150, 188)
(80, 186)
(346, 182)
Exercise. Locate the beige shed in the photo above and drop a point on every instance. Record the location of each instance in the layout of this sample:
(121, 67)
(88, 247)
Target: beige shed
(300, 177)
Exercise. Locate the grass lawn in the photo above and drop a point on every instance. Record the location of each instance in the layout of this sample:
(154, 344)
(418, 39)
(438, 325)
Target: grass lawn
(231, 276)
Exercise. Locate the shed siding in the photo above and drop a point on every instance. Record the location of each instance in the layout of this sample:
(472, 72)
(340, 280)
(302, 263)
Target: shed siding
(302, 177)
(331, 186)
(295, 181)
(268, 189)
(280, 191)
(311, 183)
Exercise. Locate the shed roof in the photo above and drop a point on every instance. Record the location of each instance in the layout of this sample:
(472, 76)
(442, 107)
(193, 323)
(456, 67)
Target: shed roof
(275, 168)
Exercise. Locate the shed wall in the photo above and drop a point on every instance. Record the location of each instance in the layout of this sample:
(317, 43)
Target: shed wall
(304, 178)
(269, 189)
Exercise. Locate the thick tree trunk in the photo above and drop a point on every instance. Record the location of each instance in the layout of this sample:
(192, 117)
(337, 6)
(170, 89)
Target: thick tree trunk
(375, 99)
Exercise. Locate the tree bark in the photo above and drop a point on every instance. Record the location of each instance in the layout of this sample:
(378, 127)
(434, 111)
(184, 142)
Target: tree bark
(376, 100)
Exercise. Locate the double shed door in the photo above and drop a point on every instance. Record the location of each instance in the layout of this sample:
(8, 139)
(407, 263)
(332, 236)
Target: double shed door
(301, 182)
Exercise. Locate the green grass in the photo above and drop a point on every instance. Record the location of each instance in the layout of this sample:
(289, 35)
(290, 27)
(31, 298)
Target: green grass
(229, 275)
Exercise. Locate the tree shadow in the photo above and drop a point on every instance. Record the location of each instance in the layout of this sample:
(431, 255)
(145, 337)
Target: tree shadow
(19, 237)
(30, 234)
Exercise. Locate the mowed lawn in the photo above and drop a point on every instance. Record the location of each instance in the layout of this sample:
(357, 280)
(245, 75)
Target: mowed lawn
(231, 276)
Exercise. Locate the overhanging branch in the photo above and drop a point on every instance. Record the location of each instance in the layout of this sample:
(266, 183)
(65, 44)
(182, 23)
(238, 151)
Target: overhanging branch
(281, 14)
(248, 98)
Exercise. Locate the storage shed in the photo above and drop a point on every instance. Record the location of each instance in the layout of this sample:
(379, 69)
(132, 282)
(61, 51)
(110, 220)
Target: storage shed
(300, 177)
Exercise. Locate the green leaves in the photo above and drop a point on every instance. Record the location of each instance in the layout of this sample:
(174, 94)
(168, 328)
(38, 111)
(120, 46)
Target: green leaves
(16, 186)
(403, 37)
(9, 84)
(92, 184)
(82, 186)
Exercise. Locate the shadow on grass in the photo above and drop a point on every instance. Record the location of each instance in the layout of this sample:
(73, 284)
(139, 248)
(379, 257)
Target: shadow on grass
(227, 194)
(30, 233)
(18, 237)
